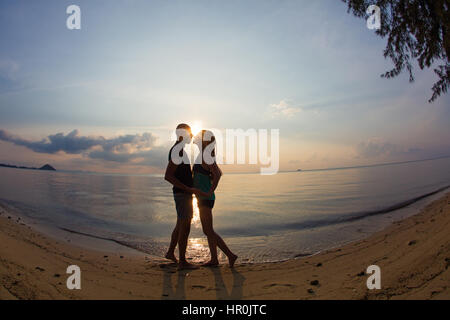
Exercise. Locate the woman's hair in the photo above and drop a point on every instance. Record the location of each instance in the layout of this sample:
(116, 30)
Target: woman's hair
(207, 139)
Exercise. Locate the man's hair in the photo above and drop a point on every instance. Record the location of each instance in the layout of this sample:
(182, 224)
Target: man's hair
(181, 126)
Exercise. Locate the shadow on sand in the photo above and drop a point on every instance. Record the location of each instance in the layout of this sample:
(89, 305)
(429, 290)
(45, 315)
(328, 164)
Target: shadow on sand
(215, 284)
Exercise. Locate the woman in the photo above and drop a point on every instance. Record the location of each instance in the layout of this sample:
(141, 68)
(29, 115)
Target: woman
(206, 178)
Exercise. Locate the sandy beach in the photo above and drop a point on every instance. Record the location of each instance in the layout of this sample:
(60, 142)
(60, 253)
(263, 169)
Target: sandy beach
(413, 254)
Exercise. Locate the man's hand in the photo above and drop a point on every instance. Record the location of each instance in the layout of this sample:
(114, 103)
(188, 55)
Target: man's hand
(199, 192)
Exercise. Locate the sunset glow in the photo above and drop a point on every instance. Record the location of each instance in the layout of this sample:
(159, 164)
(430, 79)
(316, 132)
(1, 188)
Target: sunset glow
(196, 127)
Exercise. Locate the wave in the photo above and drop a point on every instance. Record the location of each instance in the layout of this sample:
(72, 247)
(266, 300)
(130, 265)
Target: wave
(350, 217)
(142, 244)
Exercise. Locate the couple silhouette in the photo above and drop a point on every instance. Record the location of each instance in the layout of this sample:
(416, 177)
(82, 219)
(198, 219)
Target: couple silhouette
(201, 180)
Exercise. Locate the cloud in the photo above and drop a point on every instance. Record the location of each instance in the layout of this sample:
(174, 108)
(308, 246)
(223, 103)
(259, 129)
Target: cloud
(8, 69)
(376, 147)
(9, 76)
(283, 108)
(137, 148)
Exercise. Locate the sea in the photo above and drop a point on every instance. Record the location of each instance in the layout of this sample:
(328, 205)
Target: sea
(284, 216)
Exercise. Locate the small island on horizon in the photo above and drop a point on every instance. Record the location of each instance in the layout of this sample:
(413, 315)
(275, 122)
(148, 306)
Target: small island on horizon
(44, 167)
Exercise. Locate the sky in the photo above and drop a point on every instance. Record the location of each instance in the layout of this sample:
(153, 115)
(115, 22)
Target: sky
(107, 97)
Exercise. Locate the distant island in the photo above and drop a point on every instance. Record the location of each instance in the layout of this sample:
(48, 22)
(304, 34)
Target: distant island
(44, 167)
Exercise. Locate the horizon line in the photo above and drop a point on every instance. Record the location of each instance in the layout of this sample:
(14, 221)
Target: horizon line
(281, 171)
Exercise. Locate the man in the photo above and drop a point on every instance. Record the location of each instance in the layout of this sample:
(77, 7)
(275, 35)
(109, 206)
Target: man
(179, 174)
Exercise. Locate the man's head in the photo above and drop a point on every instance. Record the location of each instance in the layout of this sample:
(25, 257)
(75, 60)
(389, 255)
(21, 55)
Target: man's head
(184, 133)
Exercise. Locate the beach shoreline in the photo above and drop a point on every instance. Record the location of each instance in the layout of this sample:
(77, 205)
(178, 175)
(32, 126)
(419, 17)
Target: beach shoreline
(413, 255)
(374, 221)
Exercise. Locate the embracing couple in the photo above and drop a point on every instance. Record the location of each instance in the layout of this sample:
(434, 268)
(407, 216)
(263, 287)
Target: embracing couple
(201, 180)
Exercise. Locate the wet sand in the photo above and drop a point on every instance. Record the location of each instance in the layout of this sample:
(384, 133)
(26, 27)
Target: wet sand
(413, 254)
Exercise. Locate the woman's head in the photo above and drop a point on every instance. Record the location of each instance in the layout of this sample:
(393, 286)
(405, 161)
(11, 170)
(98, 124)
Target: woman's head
(206, 142)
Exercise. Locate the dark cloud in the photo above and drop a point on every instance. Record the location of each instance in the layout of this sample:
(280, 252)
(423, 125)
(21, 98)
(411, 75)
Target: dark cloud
(70, 143)
(374, 148)
(157, 156)
(139, 148)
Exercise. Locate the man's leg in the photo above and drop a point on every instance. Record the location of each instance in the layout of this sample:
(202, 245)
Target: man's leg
(185, 213)
(183, 235)
(173, 243)
(185, 228)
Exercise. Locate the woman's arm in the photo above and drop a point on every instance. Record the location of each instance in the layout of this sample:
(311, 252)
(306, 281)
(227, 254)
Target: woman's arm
(216, 175)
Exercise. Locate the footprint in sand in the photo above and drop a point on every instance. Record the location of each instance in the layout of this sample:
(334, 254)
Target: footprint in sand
(289, 285)
(314, 283)
(198, 287)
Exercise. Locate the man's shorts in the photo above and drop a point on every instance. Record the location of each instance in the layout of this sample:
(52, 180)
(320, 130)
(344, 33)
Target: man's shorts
(183, 204)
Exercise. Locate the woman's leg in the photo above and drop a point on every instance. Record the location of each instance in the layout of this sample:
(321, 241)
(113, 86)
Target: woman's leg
(214, 240)
(206, 219)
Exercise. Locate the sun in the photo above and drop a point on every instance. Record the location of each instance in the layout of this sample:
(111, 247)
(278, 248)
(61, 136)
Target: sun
(196, 127)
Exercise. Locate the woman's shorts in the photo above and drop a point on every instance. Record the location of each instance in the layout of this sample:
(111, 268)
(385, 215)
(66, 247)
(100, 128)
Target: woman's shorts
(206, 203)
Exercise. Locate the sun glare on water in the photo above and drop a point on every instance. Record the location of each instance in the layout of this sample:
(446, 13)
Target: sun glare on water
(196, 128)
(196, 215)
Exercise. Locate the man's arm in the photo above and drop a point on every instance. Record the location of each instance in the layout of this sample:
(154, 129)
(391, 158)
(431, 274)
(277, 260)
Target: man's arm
(170, 177)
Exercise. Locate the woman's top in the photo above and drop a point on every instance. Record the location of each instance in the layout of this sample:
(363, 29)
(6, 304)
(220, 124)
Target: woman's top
(203, 181)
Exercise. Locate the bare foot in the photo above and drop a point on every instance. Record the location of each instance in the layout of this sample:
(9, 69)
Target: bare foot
(211, 264)
(171, 256)
(232, 260)
(186, 265)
